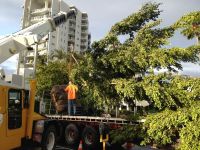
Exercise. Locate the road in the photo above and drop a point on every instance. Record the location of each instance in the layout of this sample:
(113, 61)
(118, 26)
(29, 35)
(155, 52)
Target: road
(134, 148)
(58, 148)
(62, 148)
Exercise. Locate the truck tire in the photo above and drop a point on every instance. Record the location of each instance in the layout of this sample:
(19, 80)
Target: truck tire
(71, 134)
(49, 139)
(90, 138)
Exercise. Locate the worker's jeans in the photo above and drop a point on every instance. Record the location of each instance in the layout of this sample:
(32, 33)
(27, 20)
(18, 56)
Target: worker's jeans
(71, 103)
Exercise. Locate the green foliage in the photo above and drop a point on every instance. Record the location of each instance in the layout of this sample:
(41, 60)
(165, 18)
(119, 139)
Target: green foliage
(128, 132)
(189, 25)
(134, 22)
(115, 71)
(168, 126)
(60, 55)
(129, 68)
(54, 73)
(93, 88)
(171, 91)
(163, 90)
(190, 136)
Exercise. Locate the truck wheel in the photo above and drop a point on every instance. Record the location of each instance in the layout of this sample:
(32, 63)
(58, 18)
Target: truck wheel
(49, 139)
(90, 138)
(71, 134)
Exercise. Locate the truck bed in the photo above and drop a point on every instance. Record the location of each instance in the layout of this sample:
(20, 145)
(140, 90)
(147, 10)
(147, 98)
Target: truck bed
(107, 120)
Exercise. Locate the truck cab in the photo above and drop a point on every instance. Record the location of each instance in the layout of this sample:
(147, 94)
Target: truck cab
(13, 115)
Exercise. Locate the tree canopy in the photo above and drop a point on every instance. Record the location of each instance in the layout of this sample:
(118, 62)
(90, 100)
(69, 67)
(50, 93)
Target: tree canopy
(190, 25)
(117, 70)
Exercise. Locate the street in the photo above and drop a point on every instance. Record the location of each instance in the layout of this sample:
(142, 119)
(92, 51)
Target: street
(136, 147)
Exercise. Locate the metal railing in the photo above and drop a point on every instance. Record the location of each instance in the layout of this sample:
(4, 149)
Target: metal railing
(46, 107)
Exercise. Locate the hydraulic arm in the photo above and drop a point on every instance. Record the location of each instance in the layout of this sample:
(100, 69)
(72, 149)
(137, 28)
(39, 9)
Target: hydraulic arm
(24, 39)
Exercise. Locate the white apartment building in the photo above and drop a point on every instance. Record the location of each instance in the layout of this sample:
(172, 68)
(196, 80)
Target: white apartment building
(73, 32)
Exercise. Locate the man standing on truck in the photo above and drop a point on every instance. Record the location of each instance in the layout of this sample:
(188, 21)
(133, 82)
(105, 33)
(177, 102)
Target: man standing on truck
(71, 90)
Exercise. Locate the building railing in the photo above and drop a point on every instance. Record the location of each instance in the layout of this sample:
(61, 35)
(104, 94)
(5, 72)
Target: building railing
(84, 24)
(84, 39)
(43, 10)
(84, 28)
(83, 43)
(72, 32)
(73, 26)
(84, 31)
(38, 18)
(84, 15)
(85, 18)
(71, 39)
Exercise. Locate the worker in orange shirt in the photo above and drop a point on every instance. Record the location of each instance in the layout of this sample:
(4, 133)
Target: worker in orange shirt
(71, 90)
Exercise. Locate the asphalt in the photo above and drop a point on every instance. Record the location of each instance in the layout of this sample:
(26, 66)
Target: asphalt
(135, 147)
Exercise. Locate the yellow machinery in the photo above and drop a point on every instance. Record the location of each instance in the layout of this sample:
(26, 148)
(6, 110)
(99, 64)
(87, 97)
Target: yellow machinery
(17, 117)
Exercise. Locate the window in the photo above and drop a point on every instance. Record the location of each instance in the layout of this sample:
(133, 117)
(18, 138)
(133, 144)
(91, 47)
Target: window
(14, 109)
(26, 99)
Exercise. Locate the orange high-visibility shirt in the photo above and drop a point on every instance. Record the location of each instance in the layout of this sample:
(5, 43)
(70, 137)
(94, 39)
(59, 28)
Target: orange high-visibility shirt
(71, 91)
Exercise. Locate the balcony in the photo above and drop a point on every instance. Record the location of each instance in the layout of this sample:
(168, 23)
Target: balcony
(71, 18)
(72, 21)
(84, 40)
(84, 27)
(42, 11)
(84, 15)
(84, 21)
(72, 26)
(37, 19)
(29, 63)
(70, 43)
(72, 33)
(84, 33)
(30, 55)
(43, 52)
(83, 43)
(83, 47)
(43, 48)
(85, 18)
(84, 24)
(71, 40)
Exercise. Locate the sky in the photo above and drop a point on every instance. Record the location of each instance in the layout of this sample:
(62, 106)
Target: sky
(102, 15)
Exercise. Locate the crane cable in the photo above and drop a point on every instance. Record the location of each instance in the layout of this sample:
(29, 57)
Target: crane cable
(70, 60)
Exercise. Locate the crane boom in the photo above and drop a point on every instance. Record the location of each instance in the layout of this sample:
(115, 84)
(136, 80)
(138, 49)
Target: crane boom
(24, 39)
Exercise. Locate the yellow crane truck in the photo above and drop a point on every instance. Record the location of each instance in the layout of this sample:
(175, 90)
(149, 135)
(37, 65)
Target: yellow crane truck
(18, 121)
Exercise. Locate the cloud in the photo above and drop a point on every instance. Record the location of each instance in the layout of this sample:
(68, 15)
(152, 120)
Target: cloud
(1, 36)
(11, 63)
(10, 13)
(104, 13)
